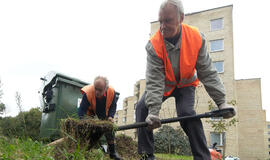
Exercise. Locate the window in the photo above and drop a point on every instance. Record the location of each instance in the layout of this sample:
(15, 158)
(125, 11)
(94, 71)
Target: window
(216, 24)
(268, 146)
(268, 132)
(217, 45)
(79, 102)
(124, 119)
(268, 139)
(219, 66)
(217, 138)
(268, 126)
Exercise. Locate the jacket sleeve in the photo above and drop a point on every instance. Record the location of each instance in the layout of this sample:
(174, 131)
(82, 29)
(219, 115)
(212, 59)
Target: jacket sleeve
(113, 106)
(83, 106)
(208, 75)
(155, 81)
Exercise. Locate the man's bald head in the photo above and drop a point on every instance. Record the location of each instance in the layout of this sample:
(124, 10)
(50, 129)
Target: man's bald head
(101, 84)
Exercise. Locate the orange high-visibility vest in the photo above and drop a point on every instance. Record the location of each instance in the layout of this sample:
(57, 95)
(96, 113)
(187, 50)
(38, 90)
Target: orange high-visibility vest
(191, 42)
(215, 155)
(89, 90)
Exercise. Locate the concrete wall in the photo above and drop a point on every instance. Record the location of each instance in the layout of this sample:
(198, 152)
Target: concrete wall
(252, 120)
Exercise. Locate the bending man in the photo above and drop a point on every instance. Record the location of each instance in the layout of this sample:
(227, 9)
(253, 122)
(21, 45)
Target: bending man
(177, 59)
(100, 100)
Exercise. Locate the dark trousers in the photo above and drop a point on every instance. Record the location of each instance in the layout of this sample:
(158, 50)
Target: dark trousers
(184, 98)
(109, 137)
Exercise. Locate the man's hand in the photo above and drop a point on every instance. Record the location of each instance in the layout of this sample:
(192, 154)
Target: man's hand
(110, 119)
(228, 115)
(153, 121)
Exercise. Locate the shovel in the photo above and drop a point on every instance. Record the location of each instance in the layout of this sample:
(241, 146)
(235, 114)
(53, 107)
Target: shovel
(96, 131)
(216, 113)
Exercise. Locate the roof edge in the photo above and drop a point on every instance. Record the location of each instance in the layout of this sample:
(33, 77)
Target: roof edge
(230, 5)
(187, 14)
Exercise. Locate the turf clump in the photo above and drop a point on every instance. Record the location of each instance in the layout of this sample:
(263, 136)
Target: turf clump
(86, 131)
(82, 141)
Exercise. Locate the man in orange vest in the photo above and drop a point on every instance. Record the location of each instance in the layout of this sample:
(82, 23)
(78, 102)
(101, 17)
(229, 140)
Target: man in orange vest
(100, 100)
(177, 59)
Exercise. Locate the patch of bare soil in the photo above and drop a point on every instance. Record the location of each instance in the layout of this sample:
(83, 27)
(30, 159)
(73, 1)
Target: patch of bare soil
(126, 147)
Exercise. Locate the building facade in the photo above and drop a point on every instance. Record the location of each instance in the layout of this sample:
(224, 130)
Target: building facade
(268, 139)
(248, 138)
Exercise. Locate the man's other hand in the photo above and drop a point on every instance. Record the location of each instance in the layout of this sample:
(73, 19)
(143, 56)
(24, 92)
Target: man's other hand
(153, 121)
(228, 115)
(110, 119)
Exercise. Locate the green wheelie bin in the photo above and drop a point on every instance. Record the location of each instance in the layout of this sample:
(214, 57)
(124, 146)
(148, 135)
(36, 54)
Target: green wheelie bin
(60, 98)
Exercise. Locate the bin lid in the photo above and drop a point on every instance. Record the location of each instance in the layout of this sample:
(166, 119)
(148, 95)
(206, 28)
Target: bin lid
(53, 77)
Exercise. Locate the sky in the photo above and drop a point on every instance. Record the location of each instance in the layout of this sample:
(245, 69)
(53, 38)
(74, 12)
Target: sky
(84, 39)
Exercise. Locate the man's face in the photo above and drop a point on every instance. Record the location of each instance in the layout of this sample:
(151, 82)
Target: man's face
(99, 88)
(170, 23)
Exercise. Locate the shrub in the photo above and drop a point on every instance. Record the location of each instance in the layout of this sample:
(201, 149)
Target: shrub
(169, 140)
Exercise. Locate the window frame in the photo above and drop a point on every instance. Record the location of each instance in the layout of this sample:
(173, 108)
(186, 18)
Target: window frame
(222, 25)
(217, 50)
(124, 119)
(221, 138)
(222, 66)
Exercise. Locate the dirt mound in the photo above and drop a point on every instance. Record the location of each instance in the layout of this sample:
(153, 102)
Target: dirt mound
(126, 147)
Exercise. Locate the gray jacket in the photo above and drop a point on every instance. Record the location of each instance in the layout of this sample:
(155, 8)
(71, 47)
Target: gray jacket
(155, 75)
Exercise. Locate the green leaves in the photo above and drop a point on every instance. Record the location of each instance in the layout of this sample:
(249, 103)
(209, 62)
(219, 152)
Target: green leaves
(2, 108)
(169, 140)
(221, 125)
(14, 127)
(2, 105)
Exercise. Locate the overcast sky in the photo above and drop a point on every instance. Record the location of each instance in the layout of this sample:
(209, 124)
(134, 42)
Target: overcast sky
(84, 39)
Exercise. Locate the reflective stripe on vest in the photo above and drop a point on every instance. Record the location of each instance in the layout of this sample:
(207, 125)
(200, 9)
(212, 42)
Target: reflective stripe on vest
(190, 46)
(89, 90)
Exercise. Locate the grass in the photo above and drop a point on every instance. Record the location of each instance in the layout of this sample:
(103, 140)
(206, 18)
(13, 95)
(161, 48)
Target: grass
(24, 149)
(27, 149)
(161, 156)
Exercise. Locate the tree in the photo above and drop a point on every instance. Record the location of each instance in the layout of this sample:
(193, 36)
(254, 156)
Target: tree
(2, 108)
(18, 99)
(2, 105)
(169, 140)
(8, 127)
(221, 125)
(14, 127)
(32, 122)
